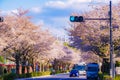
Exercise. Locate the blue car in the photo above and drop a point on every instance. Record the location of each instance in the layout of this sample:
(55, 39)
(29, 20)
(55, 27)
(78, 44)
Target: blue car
(74, 73)
(92, 71)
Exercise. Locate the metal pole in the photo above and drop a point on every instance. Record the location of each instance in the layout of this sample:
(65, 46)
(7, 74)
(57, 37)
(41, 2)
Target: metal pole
(111, 44)
(114, 62)
(96, 18)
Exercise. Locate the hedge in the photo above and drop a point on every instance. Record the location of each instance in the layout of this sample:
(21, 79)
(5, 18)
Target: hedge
(107, 77)
(12, 76)
(117, 64)
(117, 77)
(100, 75)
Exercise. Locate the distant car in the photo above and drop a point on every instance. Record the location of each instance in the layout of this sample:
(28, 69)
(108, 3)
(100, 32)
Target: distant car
(81, 67)
(74, 73)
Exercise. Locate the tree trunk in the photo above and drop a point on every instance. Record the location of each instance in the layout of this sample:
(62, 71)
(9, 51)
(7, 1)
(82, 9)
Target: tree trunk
(23, 69)
(33, 68)
(40, 67)
(28, 69)
(17, 64)
(43, 67)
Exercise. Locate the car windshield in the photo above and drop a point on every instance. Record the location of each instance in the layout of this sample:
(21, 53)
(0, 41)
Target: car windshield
(74, 71)
(92, 69)
(80, 67)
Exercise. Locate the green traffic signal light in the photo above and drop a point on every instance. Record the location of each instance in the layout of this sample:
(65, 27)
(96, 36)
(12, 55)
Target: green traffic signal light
(72, 18)
(76, 19)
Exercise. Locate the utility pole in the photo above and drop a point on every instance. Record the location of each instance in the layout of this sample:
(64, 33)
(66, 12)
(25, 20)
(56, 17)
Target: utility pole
(112, 74)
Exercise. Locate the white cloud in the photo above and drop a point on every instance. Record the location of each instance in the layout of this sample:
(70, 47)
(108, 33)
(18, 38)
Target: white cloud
(75, 4)
(104, 1)
(71, 4)
(54, 31)
(60, 19)
(58, 32)
(40, 22)
(56, 4)
(52, 27)
(14, 11)
(9, 12)
(36, 9)
(6, 12)
(77, 1)
(115, 1)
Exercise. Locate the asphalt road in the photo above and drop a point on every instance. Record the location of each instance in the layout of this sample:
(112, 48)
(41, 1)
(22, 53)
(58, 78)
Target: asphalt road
(56, 79)
(64, 76)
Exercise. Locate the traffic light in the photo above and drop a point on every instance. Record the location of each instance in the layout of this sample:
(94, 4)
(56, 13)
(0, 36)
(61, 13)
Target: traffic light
(1, 19)
(76, 19)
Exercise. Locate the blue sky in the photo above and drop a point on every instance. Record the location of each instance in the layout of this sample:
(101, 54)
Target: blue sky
(52, 14)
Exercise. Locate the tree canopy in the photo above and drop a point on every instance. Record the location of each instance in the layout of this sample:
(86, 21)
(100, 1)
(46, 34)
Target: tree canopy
(93, 35)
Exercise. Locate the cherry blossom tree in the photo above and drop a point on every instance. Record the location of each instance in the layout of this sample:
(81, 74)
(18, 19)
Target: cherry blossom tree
(23, 40)
(93, 35)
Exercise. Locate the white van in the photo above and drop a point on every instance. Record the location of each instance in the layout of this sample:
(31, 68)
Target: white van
(81, 67)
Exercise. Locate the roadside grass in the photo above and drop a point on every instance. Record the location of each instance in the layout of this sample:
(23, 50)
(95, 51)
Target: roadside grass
(106, 76)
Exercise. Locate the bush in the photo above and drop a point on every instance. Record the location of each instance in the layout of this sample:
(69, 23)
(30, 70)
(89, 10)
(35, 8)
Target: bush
(10, 76)
(1, 77)
(100, 75)
(25, 75)
(62, 71)
(117, 77)
(1, 70)
(46, 73)
(117, 64)
(33, 74)
(22, 75)
(105, 67)
(39, 74)
(104, 76)
(57, 72)
(107, 77)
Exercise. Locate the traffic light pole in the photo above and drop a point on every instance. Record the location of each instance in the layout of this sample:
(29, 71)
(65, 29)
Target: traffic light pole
(112, 73)
(112, 67)
(81, 19)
